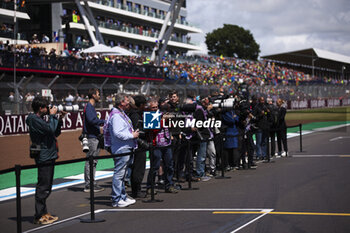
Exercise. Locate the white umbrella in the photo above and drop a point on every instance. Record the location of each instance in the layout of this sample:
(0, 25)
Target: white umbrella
(100, 48)
(123, 52)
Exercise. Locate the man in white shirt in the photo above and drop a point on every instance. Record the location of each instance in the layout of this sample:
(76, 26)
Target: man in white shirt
(123, 140)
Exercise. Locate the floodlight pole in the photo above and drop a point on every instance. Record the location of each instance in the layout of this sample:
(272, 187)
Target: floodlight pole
(313, 66)
(14, 57)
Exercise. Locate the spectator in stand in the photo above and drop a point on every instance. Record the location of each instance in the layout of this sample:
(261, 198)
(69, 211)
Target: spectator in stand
(69, 99)
(45, 39)
(35, 39)
(11, 97)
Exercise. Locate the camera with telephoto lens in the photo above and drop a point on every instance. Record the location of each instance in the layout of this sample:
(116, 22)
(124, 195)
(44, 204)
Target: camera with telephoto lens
(84, 142)
(66, 108)
(228, 103)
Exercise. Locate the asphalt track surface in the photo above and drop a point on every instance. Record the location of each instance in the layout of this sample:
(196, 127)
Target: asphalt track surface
(306, 192)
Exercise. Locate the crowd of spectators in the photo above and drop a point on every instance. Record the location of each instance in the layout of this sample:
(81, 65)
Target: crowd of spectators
(262, 76)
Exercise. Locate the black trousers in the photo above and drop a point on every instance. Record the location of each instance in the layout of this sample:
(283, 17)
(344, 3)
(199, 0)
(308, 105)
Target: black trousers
(247, 147)
(273, 142)
(138, 171)
(178, 155)
(282, 136)
(43, 187)
(231, 157)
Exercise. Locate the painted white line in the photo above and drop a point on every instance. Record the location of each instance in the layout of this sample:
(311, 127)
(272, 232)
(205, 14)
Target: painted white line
(338, 138)
(314, 156)
(99, 174)
(265, 212)
(178, 210)
(331, 127)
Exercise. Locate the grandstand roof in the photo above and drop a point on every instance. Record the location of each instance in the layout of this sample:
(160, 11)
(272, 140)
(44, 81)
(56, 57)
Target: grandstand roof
(319, 57)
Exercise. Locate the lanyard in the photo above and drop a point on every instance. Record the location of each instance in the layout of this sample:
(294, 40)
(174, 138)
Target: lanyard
(126, 118)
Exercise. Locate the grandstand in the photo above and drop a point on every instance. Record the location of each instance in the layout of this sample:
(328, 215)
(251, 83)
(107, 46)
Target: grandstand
(315, 61)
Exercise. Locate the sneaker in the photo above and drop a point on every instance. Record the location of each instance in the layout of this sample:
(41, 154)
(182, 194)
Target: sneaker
(96, 189)
(131, 201)
(43, 220)
(171, 190)
(205, 178)
(121, 204)
(252, 166)
(50, 217)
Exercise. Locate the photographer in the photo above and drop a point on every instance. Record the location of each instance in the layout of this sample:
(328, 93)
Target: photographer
(211, 149)
(91, 130)
(246, 128)
(43, 135)
(139, 164)
(273, 123)
(162, 140)
(261, 114)
(231, 155)
(176, 137)
(203, 135)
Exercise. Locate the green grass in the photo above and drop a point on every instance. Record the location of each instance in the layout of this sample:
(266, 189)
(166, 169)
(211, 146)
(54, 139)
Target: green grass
(319, 115)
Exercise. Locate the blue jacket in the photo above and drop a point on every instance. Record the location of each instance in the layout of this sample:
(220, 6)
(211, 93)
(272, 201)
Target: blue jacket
(231, 120)
(91, 122)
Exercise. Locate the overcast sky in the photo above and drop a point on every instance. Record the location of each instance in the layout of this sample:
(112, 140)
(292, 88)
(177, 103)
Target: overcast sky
(278, 25)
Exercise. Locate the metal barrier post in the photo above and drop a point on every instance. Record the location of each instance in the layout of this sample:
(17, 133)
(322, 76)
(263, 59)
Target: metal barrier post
(92, 195)
(301, 137)
(18, 197)
(151, 157)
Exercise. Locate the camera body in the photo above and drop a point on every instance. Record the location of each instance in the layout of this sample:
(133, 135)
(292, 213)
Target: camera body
(34, 150)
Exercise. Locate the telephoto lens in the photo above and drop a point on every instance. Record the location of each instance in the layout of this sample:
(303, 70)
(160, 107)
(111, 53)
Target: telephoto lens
(85, 144)
(65, 108)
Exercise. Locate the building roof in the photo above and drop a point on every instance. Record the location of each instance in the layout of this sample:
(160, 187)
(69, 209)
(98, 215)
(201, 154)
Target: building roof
(313, 56)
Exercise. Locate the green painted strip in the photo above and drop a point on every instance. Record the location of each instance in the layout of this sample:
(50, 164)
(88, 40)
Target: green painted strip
(30, 176)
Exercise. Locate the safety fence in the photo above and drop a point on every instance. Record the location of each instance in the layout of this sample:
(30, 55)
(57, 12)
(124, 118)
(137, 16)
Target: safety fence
(318, 103)
(18, 168)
